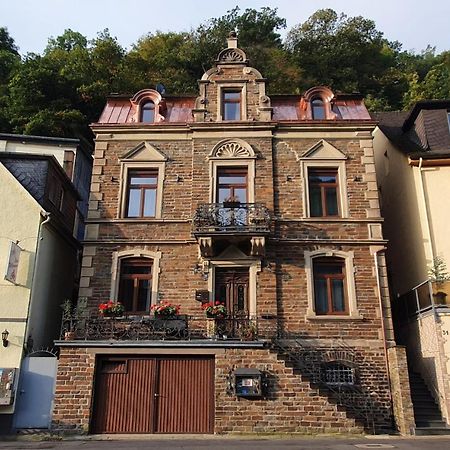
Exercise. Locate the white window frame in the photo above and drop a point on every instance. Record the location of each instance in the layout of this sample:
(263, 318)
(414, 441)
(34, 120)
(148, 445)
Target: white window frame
(314, 163)
(119, 256)
(139, 165)
(350, 287)
(230, 86)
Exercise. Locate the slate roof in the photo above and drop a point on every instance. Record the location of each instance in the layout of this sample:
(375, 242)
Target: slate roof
(423, 131)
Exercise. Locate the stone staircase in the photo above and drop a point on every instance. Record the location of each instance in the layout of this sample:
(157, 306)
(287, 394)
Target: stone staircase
(427, 414)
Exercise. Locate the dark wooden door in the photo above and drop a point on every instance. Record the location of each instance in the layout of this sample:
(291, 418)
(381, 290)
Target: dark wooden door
(231, 288)
(125, 396)
(154, 395)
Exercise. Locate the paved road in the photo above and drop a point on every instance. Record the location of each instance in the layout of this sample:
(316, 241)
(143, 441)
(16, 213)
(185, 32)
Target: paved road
(422, 443)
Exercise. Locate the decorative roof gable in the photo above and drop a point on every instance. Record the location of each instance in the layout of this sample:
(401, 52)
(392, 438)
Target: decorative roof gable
(144, 152)
(323, 150)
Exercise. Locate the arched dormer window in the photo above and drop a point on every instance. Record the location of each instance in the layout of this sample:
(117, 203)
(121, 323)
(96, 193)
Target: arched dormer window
(148, 112)
(318, 109)
(148, 106)
(317, 104)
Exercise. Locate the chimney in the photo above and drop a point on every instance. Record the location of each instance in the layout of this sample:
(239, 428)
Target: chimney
(232, 40)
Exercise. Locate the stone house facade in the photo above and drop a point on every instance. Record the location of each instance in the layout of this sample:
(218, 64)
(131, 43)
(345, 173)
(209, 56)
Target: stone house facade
(265, 205)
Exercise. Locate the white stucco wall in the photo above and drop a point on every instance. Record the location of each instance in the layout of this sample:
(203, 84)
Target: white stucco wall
(436, 182)
(428, 346)
(19, 221)
(402, 207)
(56, 150)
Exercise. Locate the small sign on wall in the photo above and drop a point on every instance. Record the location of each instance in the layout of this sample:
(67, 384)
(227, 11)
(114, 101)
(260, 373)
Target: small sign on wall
(202, 296)
(13, 263)
(7, 386)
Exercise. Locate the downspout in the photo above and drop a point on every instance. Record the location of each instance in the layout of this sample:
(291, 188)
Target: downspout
(424, 200)
(383, 327)
(36, 263)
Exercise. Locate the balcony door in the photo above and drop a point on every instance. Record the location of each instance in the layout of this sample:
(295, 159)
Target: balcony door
(232, 184)
(231, 289)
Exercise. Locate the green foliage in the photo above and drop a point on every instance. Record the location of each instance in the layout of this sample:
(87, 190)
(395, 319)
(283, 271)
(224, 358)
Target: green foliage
(438, 270)
(62, 91)
(347, 54)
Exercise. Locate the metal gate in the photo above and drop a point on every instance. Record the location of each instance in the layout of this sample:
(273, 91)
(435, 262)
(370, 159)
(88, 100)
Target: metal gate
(36, 391)
(154, 395)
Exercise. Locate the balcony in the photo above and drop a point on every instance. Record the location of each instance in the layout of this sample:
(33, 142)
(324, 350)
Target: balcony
(231, 220)
(179, 328)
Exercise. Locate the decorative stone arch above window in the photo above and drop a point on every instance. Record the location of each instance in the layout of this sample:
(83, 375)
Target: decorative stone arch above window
(324, 155)
(232, 56)
(121, 255)
(325, 96)
(232, 153)
(350, 287)
(144, 156)
(143, 97)
(232, 148)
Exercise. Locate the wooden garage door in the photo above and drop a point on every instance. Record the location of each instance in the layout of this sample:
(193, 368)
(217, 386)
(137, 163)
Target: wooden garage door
(154, 395)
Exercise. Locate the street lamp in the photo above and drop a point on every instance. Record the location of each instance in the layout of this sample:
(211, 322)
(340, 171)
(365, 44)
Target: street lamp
(5, 335)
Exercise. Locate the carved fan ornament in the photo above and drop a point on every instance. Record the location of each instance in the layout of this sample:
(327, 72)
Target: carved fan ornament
(231, 55)
(232, 150)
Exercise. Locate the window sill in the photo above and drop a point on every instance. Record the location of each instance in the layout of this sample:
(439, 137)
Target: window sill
(334, 317)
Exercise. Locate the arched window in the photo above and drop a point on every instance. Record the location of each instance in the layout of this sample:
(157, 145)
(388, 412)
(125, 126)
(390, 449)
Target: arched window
(318, 108)
(135, 284)
(148, 112)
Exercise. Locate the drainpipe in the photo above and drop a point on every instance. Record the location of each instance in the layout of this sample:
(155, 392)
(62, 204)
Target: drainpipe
(36, 263)
(424, 200)
(383, 327)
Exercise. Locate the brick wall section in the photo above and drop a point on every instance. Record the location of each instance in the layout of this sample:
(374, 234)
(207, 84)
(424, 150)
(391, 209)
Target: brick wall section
(291, 404)
(401, 395)
(73, 392)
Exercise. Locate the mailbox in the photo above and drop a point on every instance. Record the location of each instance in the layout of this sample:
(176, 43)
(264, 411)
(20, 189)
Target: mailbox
(248, 383)
(7, 386)
(202, 296)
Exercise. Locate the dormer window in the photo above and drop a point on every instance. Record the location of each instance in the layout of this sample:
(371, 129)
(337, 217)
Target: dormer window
(231, 104)
(318, 109)
(148, 106)
(148, 112)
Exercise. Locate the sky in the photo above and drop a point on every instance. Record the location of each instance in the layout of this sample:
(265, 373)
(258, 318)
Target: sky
(414, 23)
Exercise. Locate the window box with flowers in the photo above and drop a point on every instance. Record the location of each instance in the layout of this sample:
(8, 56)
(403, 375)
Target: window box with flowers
(167, 322)
(165, 310)
(111, 308)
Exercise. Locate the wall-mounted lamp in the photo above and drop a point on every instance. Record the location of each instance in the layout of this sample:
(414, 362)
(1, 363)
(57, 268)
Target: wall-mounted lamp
(5, 335)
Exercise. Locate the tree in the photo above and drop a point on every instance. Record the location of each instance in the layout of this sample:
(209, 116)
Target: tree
(258, 37)
(346, 53)
(435, 84)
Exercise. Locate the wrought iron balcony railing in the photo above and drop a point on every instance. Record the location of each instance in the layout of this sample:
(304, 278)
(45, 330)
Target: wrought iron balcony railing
(145, 328)
(212, 218)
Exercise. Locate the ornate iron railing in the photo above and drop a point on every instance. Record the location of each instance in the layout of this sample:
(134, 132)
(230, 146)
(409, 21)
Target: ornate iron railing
(231, 217)
(179, 328)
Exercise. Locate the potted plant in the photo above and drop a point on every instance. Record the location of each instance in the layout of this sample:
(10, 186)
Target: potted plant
(215, 313)
(439, 278)
(111, 308)
(231, 202)
(67, 320)
(165, 310)
(215, 310)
